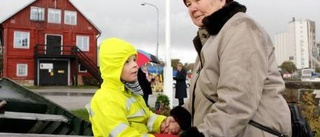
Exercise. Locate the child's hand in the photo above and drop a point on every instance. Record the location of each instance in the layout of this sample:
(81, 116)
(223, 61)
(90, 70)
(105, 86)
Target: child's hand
(170, 126)
(164, 128)
(174, 128)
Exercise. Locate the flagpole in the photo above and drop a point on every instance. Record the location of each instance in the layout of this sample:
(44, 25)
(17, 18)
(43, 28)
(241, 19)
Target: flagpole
(168, 79)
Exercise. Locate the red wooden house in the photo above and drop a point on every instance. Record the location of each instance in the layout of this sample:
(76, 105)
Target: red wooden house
(49, 42)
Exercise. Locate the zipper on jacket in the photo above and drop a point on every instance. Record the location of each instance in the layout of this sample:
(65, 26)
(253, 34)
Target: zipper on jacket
(194, 96)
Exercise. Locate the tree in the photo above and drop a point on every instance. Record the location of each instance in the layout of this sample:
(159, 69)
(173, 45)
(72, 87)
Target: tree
(317, 69)
(288, 66)
(189, 66)
(309, 110)
(186, 66)
(174, 63)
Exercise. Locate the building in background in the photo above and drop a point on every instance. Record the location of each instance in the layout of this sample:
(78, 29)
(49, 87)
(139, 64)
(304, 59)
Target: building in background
(298, 44)
(49, 42)
(281, 46)
(318, 50)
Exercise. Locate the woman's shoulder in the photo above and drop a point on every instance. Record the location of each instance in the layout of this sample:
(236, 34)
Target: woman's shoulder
(244, 19)
(242, 16)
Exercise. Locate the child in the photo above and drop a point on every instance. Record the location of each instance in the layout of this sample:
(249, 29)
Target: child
(117, 109)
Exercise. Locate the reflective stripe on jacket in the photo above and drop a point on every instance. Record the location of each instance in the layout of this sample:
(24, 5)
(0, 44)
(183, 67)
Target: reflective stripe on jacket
(124, 114)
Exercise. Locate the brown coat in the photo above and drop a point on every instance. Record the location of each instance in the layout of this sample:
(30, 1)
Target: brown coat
(239, 72)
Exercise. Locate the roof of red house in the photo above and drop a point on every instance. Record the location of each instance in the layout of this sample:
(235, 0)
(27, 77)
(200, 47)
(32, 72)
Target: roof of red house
(25, 4)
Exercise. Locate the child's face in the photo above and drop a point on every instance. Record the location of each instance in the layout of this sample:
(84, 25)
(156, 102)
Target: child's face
(130, 70)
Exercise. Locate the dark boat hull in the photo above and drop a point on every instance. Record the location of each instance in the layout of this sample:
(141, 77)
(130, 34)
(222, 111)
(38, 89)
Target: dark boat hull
(30, 113)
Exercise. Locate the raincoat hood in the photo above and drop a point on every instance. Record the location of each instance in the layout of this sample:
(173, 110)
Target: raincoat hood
(112, 56)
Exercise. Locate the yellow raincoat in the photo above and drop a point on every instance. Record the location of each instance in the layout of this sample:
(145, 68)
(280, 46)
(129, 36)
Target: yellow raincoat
(114, 111)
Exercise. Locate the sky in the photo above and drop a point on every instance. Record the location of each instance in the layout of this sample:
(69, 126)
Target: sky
(137, 24)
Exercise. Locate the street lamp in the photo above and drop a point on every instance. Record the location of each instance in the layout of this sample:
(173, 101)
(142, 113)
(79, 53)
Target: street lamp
(143, 4)
(168, 69)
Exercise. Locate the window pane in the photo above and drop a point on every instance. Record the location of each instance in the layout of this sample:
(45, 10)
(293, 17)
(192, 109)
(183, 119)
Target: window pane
(37, 14)
(83, 43)
(54, 15)
(22, 69)
(70, 17)
(73, 20)
(21, 39)
(82, 68)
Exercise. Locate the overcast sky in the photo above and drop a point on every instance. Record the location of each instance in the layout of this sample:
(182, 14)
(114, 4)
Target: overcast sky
(137, 24)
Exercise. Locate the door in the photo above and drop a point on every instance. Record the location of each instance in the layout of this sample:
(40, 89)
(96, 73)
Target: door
(53, 45)
(53, 73)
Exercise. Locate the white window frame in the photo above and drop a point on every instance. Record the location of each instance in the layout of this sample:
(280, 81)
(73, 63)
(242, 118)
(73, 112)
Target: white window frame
(54, 16)
(70, 17)
(85, 70)
(83, 42)
(22, 70)
(37, 13)
(21, 40)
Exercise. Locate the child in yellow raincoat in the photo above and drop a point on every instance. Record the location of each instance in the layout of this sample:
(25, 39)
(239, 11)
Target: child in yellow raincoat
(117, 109)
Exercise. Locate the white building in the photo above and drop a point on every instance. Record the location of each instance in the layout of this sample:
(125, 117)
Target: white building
(298, 44)
(281, 45)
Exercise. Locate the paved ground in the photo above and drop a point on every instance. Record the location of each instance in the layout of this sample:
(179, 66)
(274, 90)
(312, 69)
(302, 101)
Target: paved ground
(75, 98)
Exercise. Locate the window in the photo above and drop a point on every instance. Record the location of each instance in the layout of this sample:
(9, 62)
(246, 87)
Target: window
(82, 68)
(21, 40)
(70, 17)
(83, 43)
(22, 69)
(37, 14)
(291, 58)
(54, 16)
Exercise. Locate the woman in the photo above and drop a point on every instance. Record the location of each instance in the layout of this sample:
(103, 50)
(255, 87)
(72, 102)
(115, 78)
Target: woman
(236, 78)
(181, 86)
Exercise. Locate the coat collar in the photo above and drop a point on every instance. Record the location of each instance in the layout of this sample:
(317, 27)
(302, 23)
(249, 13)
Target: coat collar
(214, 22)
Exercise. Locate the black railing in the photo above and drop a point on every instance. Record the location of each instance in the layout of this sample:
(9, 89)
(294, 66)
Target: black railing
(41, 49)
(87, 63)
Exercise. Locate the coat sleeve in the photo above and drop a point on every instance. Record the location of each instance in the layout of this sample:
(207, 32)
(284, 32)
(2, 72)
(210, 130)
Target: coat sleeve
(154, 122)
(243, 68)
(108, 120)
(182, 116)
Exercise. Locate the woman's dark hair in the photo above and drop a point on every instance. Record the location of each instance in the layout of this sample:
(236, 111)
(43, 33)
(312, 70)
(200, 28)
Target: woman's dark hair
(228, 1)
